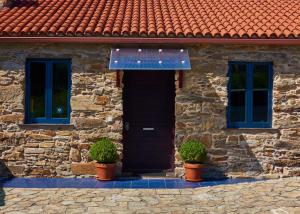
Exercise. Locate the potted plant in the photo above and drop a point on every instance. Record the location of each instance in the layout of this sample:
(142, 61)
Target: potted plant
(193, 154)
(104, 152)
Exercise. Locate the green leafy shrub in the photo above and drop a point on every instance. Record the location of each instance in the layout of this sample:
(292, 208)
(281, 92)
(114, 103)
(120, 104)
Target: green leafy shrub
(193, 151)
(104, 151)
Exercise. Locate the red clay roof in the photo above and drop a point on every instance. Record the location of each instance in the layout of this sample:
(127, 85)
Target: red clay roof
(153, 18)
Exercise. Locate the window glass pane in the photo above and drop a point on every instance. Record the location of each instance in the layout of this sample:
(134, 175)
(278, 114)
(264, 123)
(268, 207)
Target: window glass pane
(60, 90)
(238, 76)
(237, 106)
(260, 76)
(260, 106)
(37, 89)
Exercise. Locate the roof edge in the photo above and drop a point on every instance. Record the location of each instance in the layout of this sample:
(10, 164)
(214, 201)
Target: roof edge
(140, 40)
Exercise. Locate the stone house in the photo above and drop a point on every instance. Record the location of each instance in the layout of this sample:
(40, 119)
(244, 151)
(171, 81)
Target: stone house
(150, 75)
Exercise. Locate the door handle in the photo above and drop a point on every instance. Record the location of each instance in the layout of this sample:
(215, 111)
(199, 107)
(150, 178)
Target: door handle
(127, 126)
(148, 129)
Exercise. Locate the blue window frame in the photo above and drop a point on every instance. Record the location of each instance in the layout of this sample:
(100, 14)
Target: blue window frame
(48, 88)
(250, 95)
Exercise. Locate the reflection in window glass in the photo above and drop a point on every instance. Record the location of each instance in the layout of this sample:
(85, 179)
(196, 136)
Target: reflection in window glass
(250, 93)
(238, 76)
(237, 105)
(260, 106)
(60, 90)
(47, 97)
(261, 77)
(37, 89)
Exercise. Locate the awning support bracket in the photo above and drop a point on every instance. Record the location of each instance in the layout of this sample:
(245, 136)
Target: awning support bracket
(118, 79)
(180, 79)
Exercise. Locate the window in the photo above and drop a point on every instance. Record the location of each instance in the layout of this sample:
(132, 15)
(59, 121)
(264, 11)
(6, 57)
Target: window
(48, 91)
(250, 95)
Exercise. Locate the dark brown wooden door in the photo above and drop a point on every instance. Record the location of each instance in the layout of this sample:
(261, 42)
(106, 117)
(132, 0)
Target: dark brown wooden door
(148, 105)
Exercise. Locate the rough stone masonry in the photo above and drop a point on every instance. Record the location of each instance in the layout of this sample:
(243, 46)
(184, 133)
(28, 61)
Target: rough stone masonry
(96, 103)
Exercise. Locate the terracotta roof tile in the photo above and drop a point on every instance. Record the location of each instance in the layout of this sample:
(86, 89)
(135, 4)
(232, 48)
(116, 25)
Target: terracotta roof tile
(153, 18)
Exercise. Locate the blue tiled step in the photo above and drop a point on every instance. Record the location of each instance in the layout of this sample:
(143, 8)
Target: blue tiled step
(120, 183)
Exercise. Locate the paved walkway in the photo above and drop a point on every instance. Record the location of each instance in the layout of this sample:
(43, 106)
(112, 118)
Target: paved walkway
(280, 196)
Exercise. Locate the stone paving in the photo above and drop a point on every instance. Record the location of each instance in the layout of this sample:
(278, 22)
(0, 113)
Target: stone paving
(281, 196)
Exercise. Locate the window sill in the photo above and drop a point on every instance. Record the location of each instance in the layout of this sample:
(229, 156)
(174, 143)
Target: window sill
(272, 130)
(46, 126)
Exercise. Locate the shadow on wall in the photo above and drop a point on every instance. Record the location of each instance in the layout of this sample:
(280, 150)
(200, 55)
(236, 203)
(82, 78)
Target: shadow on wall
(213, 172)
(234, 159)
(201, 107)
(4, 174)
(241, 159)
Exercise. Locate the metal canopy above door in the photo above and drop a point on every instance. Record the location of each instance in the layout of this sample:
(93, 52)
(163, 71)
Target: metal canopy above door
(149, 59)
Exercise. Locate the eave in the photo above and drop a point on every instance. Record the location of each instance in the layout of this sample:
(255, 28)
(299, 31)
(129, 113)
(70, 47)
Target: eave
(141, 40)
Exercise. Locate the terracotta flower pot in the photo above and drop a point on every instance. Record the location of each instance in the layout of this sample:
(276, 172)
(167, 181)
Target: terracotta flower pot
(193, 172)
(105, 172)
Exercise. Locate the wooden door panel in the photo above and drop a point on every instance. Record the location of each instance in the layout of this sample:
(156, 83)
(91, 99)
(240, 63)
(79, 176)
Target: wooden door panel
(148, 99)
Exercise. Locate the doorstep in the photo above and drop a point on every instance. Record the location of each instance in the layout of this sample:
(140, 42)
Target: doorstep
(127, 183)
(150, 175)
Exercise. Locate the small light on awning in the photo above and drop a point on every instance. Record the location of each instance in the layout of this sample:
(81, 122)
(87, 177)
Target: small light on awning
(149, 59)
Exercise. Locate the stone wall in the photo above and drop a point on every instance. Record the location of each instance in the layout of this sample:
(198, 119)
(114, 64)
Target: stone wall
(96, 102)
(96, 105)
(201, 113)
